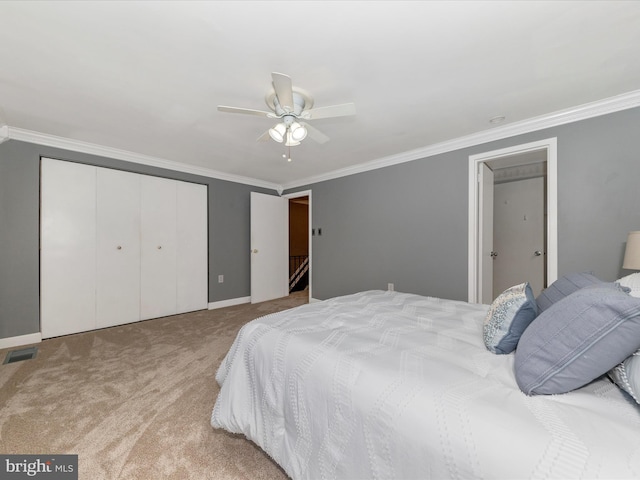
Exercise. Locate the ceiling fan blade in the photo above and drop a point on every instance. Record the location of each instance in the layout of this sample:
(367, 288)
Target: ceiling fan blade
(264, 137)
(315, 134)
(247, 111)
(342, 110)
(284, 90)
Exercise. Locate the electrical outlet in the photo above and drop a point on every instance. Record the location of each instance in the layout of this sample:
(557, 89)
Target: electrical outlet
(220, 278)
(390, 287)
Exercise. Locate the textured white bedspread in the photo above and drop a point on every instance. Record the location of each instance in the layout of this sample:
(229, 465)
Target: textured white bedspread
(382, 385)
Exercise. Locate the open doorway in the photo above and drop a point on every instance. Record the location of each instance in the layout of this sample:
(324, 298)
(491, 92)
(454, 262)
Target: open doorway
(298, 244)
(271, 245)
(533, 160)
(299, 205)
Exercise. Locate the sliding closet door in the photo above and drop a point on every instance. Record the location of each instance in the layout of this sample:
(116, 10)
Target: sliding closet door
(192, 244)
(158, 252)
(67, 248)
(118, 248)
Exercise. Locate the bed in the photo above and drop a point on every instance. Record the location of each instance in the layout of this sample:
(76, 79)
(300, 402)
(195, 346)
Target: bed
(381, 385)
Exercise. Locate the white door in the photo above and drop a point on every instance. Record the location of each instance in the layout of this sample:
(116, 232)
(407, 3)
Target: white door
(485, 238)
(158, 247)
(118, 248)
(518, 227)
(192, 246)
(269, 247)
(68, 248)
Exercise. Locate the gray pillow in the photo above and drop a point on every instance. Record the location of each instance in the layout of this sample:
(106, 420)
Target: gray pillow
(509, 315)
(578, 339)
(563, 287)
(627, 375)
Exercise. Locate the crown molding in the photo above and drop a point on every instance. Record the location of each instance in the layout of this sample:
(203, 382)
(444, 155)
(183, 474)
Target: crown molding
(7, 132)
(4, 133)
(581, 112)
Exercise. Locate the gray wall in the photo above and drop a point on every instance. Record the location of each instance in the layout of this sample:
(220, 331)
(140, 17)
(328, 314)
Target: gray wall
(229, 231)
(407, 224)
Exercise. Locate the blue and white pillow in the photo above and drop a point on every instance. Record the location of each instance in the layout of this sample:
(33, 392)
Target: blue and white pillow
(627, 375)
(508, 317)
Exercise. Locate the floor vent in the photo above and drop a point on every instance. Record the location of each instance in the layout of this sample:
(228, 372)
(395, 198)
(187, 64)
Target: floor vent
(19, 355)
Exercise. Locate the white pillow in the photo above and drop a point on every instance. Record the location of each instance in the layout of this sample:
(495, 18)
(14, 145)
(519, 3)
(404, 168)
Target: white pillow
(633, 282)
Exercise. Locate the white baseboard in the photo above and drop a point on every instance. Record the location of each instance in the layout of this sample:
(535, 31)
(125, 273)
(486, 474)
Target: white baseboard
(20, 340)
(314, 300)
(229, 303)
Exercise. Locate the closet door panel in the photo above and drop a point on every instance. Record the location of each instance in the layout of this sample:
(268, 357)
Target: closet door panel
(192, 247)
(118, 248)
(158, 252)
(68, 248)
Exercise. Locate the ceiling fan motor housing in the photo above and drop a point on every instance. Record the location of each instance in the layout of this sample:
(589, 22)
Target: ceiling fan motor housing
(300, 103)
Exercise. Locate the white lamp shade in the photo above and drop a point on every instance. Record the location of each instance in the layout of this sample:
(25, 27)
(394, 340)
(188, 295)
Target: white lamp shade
(278, 132)
(632, 252)
(290, 141)
(298, 132)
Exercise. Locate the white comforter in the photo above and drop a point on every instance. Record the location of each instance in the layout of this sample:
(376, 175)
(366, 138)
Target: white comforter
(382, 385)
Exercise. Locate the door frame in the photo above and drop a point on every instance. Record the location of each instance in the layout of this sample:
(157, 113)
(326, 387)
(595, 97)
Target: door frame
(474, 269)
(304, 193)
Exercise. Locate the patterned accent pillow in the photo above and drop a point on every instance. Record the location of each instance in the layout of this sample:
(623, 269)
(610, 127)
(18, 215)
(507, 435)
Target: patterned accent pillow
(509, 315)
(627, 375)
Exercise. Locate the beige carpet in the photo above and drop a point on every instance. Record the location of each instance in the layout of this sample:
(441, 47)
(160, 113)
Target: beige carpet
(134, 402)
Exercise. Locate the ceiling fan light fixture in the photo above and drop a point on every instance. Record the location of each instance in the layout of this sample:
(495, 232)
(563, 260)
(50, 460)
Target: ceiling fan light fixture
(298, 132)
(278, 132)
(291, 142)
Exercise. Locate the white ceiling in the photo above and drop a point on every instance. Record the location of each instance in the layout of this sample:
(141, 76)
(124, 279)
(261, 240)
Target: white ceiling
(146, 77)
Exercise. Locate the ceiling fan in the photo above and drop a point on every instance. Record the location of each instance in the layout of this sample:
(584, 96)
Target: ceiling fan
(292, 106)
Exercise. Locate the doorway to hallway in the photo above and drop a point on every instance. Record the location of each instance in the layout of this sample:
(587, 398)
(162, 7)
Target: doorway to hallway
(482, 253)
(298, 244)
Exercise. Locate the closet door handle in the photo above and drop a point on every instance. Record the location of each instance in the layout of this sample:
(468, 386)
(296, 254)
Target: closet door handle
(119, 247)
(159, 247)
